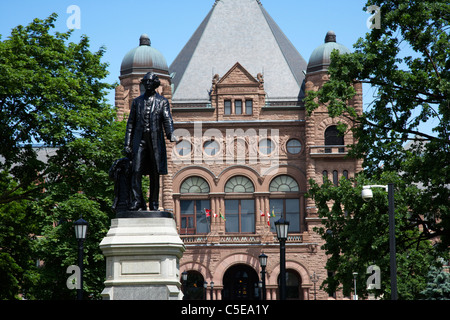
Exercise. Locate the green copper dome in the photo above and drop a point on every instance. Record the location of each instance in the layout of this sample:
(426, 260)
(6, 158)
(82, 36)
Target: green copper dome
(143, 59)
(320, 58)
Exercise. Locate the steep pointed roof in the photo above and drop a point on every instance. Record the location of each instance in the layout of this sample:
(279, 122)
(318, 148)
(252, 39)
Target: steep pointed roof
(238, 31)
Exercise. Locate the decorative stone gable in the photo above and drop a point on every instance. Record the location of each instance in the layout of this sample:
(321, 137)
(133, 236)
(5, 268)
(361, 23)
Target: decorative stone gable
(236, 76)
(239, 89)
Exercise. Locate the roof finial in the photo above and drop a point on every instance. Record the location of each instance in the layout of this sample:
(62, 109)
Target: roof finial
(144, 40)
(330, 37)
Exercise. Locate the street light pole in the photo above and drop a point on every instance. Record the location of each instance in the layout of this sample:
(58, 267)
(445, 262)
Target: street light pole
(184, 276)
(392, 250)
(80, 233)
(314, 279)
(282, 227)
(366, 195)
(263, 262)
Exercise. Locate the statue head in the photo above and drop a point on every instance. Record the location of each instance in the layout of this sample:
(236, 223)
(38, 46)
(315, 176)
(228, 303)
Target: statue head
(151, 82)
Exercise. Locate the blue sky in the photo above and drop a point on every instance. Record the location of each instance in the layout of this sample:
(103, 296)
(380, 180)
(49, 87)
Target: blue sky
(117, 25)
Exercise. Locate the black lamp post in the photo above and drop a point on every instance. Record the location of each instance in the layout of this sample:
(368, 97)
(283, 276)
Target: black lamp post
(184, 277)
(212, 290)
(263, 263)
(80, 233)
(282, 227)
(205, 289)
(367, 194)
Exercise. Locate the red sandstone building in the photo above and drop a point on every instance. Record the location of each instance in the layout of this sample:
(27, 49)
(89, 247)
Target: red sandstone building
(247, 150)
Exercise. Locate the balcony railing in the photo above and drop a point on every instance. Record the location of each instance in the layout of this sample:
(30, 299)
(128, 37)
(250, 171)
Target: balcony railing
(328, 151)
(236, 239)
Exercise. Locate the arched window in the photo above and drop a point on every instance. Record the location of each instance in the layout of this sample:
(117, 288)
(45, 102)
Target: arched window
(325, 176)
(333, 137)
(194, 185)
(192, 212)
(284, 184)
(239, 184)
(293, 285)
(335, 178)
(240, 213)
(345, 174)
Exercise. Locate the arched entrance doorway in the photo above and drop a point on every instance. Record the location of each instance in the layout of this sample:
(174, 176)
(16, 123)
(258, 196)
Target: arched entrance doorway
(194, 286)
(240, 282)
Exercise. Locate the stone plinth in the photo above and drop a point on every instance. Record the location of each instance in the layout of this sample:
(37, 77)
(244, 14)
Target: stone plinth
(142, 254)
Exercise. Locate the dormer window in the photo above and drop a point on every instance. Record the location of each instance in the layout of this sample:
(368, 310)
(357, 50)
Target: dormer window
(227, 106)
(249, 107)
(238, 107)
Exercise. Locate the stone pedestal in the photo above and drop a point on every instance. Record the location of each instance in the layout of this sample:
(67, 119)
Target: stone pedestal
(142, 253)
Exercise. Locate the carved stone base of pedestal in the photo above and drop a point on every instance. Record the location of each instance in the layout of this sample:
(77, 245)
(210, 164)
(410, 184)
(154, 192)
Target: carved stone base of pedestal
(142, 252)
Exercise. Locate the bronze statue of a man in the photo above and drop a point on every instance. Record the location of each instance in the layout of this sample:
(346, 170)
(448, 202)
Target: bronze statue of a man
(149, 119)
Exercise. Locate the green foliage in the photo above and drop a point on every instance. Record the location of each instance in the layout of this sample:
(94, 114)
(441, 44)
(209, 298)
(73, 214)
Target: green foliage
(53, 93)
(17, 265)
(407, 63)
(357, 236)
(78, 186)
(438, 285)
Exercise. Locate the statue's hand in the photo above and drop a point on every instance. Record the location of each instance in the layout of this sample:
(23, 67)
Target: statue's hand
(128, 152)
(173, 138)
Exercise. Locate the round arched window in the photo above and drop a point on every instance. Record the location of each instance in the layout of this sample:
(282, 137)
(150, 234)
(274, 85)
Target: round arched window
(294, 146)
(266, 146)
(184, 148)
(194, 185)
(239, 184)
(211, 147)
(284, 184)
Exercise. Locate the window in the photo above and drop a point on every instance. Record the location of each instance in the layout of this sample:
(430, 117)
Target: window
(266, 146)
(293, 285)
(294, 146)
(345, 174)
(325, 176)
(193, 216)
(184, 148)
(249, 107)
(211, 147)
(227, 106)
(283, 184)
(240, 216)
(238, 107)
(333, 137)
(335, 178)
(194, 185)
(239, 184)
(289, 209)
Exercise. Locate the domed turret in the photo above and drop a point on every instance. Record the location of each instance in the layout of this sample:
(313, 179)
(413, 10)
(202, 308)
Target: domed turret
(143, 59)
(321, 57)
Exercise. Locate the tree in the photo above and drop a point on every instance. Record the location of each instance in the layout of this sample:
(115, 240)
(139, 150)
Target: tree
(438, 285)
(356, 235)
(79, 185)
(53, 94)
(407, 62)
